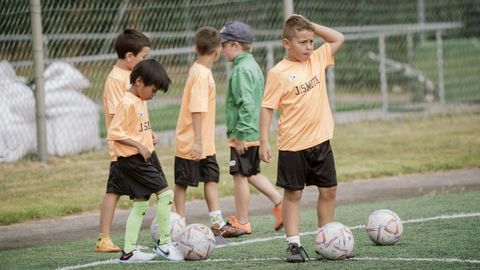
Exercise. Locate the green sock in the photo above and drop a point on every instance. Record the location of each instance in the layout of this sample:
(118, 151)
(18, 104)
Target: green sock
(164, 209)
(134, 221)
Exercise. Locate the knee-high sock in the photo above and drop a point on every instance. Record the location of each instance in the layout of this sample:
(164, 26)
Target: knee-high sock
(164, 209)
(134, 222)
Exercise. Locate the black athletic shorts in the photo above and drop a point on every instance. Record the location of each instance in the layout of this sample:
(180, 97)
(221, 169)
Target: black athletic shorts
(190, 172)
(116, 184)
(143, 178)
(311, 166)
(247, 164)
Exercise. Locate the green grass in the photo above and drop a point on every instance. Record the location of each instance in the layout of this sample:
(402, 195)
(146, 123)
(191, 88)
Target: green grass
(434, 239)
(362, 150)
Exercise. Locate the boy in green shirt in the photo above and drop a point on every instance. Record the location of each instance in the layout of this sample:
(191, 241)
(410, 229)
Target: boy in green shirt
(243, 103)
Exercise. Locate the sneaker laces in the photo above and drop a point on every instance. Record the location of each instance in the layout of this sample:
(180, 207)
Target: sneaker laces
(296, 249)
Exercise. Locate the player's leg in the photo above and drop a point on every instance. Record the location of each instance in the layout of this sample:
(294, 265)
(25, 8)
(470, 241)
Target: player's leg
(179, 197)
(291, 212)
(326, 205)
(291, 219)
(130, 252)
(242, 197)
(262, 184)
(115, 187)
(292, 174)
(107, 210)
(210, 175)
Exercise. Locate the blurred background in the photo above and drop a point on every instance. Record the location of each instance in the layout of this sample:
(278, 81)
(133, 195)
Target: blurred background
(399, 57)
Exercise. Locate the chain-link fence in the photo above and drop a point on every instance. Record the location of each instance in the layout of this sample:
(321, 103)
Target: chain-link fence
(398, 55)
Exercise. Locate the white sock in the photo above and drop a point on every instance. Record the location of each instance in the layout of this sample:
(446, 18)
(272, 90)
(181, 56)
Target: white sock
(216, 217)
(294, 239)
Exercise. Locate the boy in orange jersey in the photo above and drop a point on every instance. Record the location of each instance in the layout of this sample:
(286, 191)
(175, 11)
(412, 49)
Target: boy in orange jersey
(131, 47)
(195, 159)
(138, 165)
(242, 106)
(296, 86)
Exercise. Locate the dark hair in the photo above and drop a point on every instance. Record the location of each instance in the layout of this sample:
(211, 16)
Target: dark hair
(130, 41)
(207, 39)
(152, 73)
(296, 23)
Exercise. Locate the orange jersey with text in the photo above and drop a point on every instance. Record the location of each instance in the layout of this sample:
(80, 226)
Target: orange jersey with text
(130, 122)
(198, 97)
(117, 82)
(299, 91)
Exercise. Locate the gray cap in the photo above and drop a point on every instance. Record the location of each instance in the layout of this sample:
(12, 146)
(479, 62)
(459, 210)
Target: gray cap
(236, 31)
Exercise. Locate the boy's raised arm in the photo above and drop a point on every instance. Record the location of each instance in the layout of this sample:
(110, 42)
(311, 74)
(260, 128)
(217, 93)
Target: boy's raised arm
(331, 36)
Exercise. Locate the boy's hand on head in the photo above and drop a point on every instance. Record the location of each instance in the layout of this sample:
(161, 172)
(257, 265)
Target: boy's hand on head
(196, 152)
(265, 153)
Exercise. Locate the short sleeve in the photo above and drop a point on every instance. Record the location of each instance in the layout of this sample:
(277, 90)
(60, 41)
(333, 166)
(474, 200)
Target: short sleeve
(273, 91)
(119, 126)
(199, 95)
(324, 55)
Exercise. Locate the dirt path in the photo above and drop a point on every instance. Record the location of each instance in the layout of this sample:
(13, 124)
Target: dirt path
(86, 225)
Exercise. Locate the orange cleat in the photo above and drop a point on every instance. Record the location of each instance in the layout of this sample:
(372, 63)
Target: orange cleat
(277, 214)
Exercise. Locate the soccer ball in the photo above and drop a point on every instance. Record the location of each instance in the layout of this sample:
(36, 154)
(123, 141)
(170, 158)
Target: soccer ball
(177, 225)
(384, 227)
(334, 241)
(197, 242)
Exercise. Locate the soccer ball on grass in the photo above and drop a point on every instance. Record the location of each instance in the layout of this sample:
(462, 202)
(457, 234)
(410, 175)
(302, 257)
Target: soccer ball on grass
(197, 242)
(384, 227)
(334, 241)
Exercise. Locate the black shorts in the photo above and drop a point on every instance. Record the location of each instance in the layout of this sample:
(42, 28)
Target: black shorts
(190, 172)
(116, 184)
(311, 166)
(142, 177)
(247, 164)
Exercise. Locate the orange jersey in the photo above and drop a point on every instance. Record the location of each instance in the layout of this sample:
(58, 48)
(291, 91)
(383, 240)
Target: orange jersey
(198, 97)
(299, 91)
(130, 122)
(117, 82)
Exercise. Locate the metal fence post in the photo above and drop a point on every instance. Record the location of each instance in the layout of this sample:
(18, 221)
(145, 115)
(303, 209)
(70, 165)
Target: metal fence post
(287, 8)
(383, 72)
(440, 74)
(37, 47)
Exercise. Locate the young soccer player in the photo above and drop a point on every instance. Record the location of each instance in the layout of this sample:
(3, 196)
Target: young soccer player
(195, 159)
(242, 106)
(296, 86)
(138, 164)
(131, 47)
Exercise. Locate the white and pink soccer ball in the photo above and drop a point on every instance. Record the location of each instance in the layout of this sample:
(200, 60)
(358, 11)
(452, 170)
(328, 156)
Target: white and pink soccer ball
(334, 241)
(177, 225)
(384, 227)
(197, 242)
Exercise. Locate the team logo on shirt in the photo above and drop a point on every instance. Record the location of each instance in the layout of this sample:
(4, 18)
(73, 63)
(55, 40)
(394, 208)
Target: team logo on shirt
(139, 115)
(292, 77)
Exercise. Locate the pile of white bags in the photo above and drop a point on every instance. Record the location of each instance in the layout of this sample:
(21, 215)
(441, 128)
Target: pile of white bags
(72, 118)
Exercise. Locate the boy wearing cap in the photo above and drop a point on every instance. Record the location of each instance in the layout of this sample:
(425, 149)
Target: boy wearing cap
(243, 103)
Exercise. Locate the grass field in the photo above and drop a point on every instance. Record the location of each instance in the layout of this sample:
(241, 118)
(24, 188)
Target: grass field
(396, 146)
(440, 232)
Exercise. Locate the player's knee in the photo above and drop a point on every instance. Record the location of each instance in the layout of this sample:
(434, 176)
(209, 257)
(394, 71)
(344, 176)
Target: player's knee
(328, 194)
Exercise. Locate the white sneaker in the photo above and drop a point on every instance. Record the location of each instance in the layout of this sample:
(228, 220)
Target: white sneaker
(169, 251)
(136, 256)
